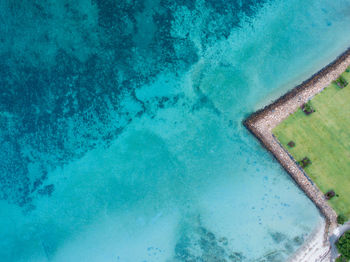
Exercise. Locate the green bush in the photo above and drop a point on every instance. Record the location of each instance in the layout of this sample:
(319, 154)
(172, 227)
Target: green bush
(308, 107)
(341, 81)
(341, 259)
(304, 162)
(341, 219)
(343, 245)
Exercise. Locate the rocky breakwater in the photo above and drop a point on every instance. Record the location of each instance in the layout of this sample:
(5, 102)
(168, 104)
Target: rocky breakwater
(262, 122)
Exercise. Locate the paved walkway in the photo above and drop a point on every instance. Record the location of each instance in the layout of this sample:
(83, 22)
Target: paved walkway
(337, 233)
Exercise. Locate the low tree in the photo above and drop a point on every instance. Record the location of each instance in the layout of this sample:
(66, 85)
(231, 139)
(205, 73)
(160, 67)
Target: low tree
(304, 162)
(341, 219)
(343, 245)
(341, 259)
(307, 108)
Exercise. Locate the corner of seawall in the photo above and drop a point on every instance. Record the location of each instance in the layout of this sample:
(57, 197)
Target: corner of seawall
(261, 123)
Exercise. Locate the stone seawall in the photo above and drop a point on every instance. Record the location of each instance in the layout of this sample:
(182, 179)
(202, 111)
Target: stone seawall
(262, 122)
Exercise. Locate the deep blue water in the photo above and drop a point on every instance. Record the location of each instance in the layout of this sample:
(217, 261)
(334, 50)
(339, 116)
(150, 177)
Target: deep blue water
(121, 135)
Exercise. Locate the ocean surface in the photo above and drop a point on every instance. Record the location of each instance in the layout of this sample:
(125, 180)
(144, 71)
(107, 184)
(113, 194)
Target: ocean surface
(121, 133)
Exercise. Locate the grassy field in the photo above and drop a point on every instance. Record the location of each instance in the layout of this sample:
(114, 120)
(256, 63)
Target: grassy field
(324, 137)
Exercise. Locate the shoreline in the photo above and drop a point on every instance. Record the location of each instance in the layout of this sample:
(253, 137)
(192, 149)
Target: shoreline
(313, 248)
(261, 124)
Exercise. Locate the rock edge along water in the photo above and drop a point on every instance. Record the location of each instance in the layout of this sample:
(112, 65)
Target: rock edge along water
(262, 122)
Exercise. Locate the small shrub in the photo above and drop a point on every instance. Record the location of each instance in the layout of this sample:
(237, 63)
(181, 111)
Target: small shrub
(341, 259)
(330, 194)
(304, 162)
(341, 219)
(343, 245)
(307, 108)
(341, 82)
(291, 144)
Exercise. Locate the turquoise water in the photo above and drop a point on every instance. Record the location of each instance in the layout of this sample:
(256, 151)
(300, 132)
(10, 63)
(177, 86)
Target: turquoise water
(121, 134)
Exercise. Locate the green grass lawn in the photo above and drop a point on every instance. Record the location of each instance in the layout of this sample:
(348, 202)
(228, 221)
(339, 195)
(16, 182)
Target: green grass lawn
(324, 137)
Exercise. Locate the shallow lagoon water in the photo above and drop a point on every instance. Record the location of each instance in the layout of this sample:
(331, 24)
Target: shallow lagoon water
(121, 134)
